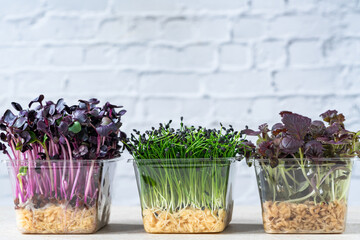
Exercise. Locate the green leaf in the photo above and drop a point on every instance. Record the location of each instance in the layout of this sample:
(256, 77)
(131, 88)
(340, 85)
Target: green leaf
(75, 127)
(33, 137)
(58, 121)
(45, 138)
(19, 146)
(23, 171)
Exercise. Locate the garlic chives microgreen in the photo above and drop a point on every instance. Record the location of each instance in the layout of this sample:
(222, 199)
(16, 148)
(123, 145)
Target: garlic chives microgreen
(185, 167)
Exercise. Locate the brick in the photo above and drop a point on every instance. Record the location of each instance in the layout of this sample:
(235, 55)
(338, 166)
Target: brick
(237, 83)
(303, 26)
(8, 31)
(58, 28)
(148, 6)
(305, 53)
(130, 104)
(247, 28)
(161, 110)
(270, 54)
(225, 109)
(351, 79)
(77, 5)
(307, 81)
(197, 57)
(178, 29)
(23, 56)
(303, 5)
(343, 51)
(143, 29)
(265, 110)
(112, 30)
(275, 5)
(100, 55)
(337, 6)
(351, 24)
(11, 56)
(102, 82)
(67, 56)
(33, 83)
(19, 7)
(215, 5)
(132, 55)
(6, 83)
(234, 56)
(196, 111)
(212, 29)
(204, 29)
(169, 84)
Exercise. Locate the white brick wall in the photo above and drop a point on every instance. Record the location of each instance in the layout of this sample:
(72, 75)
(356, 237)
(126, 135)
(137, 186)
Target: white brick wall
(235, 61)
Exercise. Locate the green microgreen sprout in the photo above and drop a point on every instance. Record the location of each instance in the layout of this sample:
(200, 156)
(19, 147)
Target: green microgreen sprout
(188, 166)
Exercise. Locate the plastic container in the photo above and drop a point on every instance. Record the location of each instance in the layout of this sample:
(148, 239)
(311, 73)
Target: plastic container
(304, 196)
(61, 196)
(185, 195)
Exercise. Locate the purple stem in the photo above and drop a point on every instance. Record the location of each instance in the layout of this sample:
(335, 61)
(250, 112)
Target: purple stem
(76, 179)
(55, 180)
(61, 183)
(88, 181)
(39, 185)
(94, 195)
(71, 160)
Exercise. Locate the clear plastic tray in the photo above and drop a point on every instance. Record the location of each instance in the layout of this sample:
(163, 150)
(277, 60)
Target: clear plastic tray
(304, 196)
(61, 196)
(185, 195)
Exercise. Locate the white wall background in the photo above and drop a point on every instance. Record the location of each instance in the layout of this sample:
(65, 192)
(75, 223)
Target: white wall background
(235, 61)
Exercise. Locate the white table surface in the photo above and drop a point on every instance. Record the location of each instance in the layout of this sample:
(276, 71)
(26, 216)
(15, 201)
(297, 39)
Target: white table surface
(126, 223)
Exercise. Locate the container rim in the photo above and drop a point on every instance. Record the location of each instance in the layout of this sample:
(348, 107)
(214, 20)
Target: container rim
(152, 160)
(315, 160)
(68, 160)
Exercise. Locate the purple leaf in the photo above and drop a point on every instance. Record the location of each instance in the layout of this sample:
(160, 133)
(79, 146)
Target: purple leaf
(332, 116)
(20, 122)
(122, 112)
(17, 106)
(39, 99)
(60, 105)
(107, 129)
(52, 109)
(278, 128)
(317, 128)
(265, 149)
(334, 128)
(41, 125)
(282, 113)
(290, 144)
(296, 124)
(313, 149)
(250, 132)
(264, 128)
(80, 115)
(63, 128)
(9, 117)
(328, 115)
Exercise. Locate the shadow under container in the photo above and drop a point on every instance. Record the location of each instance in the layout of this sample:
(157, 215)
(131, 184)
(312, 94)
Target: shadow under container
(185, 195)
(304, 196)
(61, 196)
